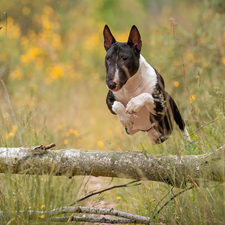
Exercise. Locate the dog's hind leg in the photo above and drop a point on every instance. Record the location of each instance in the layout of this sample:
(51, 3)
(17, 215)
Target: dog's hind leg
(156, 137)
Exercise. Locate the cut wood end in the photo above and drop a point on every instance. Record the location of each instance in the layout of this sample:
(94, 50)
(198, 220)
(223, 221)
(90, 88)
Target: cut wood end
(49, 146)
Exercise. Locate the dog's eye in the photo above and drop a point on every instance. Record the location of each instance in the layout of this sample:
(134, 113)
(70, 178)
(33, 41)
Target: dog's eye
(125, 58)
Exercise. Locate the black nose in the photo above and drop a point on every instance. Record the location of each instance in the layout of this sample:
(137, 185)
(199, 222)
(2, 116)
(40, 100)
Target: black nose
(111, 85)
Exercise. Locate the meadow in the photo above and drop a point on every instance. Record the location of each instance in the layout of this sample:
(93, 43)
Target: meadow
(52, 63)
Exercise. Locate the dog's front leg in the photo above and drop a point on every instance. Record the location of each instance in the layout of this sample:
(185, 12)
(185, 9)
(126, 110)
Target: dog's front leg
(120, 110)
(136, 103)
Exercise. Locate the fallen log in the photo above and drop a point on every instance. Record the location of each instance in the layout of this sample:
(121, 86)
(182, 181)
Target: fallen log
(175, 170)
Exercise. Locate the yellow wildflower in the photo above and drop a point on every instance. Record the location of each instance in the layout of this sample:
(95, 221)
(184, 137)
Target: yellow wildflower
(100, 144)
(71, 131)
(56, 72)
(192, 98)
(31, 104)
(118, 197)
(65, 142)
(176, 83)
(33, 52)
(14, 129)
(11, 134)
(76, 133)
(24, 59)
(17, 75)
(223, 60)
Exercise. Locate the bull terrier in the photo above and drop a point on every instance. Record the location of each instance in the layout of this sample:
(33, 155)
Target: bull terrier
(136, 90)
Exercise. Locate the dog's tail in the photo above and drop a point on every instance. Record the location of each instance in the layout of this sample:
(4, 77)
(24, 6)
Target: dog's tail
(179, 121)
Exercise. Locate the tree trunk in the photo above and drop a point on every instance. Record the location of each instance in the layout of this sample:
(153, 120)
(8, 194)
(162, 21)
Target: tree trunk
(171, 169)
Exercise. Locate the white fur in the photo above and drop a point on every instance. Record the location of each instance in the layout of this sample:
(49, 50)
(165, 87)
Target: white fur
(117, 77)
(186, 134)
(136, 95)
(136, 103)
(124, 118)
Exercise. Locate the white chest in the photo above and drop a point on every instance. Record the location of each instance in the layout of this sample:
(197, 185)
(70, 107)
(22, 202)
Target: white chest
(143, 81)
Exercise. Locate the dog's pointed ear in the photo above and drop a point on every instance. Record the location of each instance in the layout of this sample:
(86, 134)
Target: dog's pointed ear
(134, 39)
(108, 38)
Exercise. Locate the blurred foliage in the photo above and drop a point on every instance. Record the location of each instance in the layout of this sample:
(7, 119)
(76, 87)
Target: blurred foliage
(52, 60)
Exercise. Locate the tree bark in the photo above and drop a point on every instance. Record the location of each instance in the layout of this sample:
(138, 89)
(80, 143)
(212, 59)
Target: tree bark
(170, 169)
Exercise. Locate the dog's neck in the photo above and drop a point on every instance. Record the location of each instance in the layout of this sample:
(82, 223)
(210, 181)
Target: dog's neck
(141, 77)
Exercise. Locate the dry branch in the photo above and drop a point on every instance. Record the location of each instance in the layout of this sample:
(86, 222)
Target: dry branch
(132, 183)
(128, 217)
(171, 169)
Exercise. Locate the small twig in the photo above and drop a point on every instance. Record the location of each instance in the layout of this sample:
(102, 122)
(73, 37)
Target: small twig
(5, 13)
(45, 147)
(162, 199)
(49, 146)
(188, 145)
(219, 45)
(133, 183)
(5, 22)
(10, 221)
(213, 152)
(14, 117)
(179, 193)
(206, 125)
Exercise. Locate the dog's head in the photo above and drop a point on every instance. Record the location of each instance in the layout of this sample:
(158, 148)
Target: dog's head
(122, 58)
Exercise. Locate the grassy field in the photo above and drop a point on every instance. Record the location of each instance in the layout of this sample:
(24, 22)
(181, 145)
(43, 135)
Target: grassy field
(52, 62)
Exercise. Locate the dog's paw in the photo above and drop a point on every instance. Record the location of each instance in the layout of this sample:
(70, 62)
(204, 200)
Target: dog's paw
(126, 121)
(136, 103)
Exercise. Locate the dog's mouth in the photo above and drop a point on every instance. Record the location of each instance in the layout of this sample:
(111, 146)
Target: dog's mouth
(114, 90)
